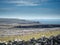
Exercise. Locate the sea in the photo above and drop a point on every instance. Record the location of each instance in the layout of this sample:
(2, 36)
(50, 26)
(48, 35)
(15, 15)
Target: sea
(48, 21)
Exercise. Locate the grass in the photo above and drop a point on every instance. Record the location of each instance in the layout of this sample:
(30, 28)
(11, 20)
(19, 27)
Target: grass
(28, 37)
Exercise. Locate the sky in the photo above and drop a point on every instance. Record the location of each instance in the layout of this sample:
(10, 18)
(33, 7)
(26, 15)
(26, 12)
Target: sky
(30, 9)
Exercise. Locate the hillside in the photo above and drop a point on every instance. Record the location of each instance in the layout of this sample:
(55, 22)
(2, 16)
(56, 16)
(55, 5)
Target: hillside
(25, 29)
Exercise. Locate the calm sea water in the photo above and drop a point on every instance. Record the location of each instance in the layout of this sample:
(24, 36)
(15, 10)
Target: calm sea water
(49, 21)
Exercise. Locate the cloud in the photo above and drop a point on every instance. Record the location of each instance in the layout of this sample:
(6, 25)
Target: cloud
(28, 2)
(25, 2)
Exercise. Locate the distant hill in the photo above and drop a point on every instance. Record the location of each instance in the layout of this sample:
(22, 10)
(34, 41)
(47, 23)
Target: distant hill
(10, 23)
(19, 21)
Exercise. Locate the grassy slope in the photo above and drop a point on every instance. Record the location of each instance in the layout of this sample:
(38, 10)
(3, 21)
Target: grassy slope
(35, 35)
